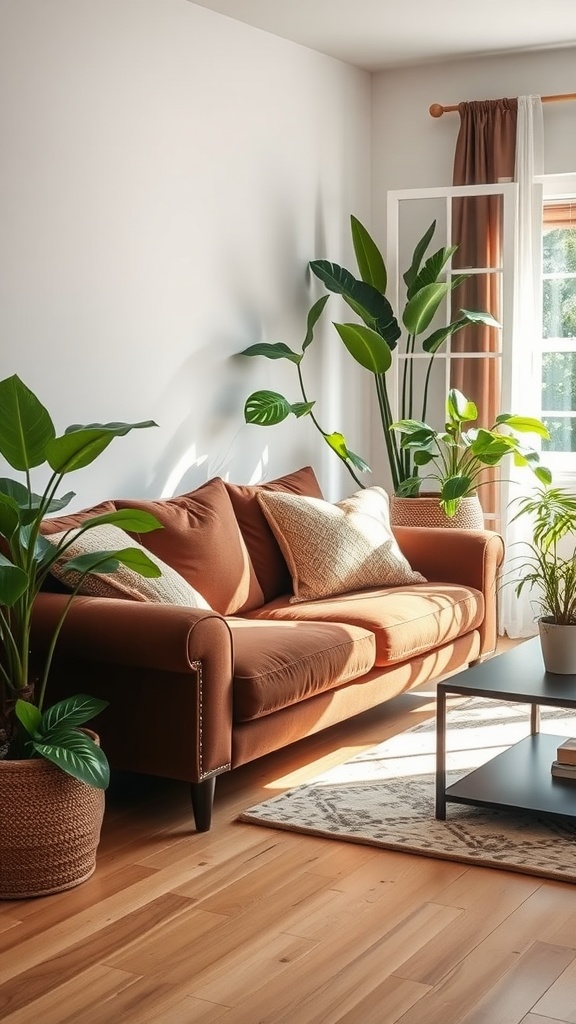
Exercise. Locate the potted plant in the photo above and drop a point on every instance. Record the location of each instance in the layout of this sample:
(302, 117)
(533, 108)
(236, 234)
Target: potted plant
(44, 753)
(547, 566)
(374, 342)
(456, 456)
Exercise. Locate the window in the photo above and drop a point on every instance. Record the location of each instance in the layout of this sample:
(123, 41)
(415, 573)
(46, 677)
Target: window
(558, 376)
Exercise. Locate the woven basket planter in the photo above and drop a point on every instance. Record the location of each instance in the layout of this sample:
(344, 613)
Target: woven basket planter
(49, 829)
(425, 510)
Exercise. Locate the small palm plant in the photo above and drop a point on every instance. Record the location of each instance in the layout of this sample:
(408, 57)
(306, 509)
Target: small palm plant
(548, 563)
(28, 441)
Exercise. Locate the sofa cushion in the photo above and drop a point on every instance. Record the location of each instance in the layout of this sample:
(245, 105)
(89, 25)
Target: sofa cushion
(268, 561)
(73, 520)
(406, 621)
(202, 541)
(335, 548)
(279, 664)
(169, 588)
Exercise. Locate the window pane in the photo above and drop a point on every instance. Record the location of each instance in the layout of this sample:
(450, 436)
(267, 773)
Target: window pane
(559, 251)
(562, 434)
(559, 308)
(559, 381)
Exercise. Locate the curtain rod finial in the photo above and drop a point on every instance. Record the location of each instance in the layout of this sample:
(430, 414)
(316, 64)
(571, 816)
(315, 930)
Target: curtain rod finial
(436, 110)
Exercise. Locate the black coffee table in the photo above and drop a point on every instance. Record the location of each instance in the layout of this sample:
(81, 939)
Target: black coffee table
(519, 778)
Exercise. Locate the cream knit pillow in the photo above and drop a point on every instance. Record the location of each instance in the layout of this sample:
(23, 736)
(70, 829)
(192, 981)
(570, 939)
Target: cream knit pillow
(169, 588)
(332, 549)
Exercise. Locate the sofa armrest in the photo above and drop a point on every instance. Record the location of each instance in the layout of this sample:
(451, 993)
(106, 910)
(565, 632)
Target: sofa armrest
(163, 636)
(166, 671)
(471, 558)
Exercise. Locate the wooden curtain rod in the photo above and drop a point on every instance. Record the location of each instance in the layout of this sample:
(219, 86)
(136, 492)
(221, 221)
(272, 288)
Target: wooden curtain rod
(436, 110)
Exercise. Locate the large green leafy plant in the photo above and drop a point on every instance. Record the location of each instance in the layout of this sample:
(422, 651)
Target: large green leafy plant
(456, 456)
(374, 341)
(28, 441)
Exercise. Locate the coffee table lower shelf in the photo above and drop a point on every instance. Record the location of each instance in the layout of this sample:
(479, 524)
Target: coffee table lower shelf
(519, 779)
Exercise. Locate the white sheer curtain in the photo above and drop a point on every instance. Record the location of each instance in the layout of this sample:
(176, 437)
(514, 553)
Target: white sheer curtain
(517, 615)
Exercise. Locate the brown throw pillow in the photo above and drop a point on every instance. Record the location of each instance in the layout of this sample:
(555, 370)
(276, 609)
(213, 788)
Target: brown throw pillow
(332, 549)
(202, 541)
(169, 588)
(267, 558)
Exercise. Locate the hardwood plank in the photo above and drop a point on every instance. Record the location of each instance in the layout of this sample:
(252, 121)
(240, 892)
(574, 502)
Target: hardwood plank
(69, 1002)
(560, 999)
(462, 988)
(345, 968)
(540, 917)
(515, 994)
(487, 899)
(236, 976)
(27, 985)
(386, 1003)
(534, 1018)
(181, 955)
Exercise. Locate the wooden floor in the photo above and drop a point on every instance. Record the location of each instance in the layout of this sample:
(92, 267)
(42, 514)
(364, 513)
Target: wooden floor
(247, 925)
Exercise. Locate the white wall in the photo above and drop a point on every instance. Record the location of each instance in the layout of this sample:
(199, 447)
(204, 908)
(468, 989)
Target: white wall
(166, 173)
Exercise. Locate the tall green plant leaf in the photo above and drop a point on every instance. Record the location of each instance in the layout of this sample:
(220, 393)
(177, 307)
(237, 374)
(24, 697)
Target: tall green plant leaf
(368, 257)
(432, 343)
(277, 350)
(418, 254)
(366, 346)
(421, 308)
(9, 516)
(314, 315)
(372, 307)
(13, 582)
(431, 270)
(25, 425)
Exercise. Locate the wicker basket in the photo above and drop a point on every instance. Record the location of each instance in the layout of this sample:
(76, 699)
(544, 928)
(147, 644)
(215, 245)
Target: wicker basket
(49, 829)
(425, 510)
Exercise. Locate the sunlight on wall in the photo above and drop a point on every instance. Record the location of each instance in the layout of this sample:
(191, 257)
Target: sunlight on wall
(188, 460)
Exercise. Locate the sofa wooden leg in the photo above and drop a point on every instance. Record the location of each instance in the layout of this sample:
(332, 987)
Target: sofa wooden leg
(202, 794)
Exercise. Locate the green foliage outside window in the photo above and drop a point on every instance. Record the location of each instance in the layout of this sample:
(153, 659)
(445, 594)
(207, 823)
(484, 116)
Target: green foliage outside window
(559, 321)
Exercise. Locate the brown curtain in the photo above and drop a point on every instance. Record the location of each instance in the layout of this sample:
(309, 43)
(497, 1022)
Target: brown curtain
(485, 153)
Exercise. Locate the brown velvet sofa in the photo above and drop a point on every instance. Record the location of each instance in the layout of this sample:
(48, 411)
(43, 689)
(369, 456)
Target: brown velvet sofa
(194, 693)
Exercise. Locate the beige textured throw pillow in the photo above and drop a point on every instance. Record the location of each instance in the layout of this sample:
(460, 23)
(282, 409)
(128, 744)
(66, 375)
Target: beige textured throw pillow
(169, 588)
(332, 549)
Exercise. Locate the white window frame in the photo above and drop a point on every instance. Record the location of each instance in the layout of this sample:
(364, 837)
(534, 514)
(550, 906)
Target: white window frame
(556, 187)
(509, 192)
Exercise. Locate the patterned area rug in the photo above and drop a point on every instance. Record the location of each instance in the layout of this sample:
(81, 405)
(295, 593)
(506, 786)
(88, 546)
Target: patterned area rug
(385, 797)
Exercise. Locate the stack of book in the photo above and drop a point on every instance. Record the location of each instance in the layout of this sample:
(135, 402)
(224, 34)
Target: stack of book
(564, 767)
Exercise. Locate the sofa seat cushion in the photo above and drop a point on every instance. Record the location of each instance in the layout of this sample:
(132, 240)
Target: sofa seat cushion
(201, 540)
(406, 621)
(277, 664)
